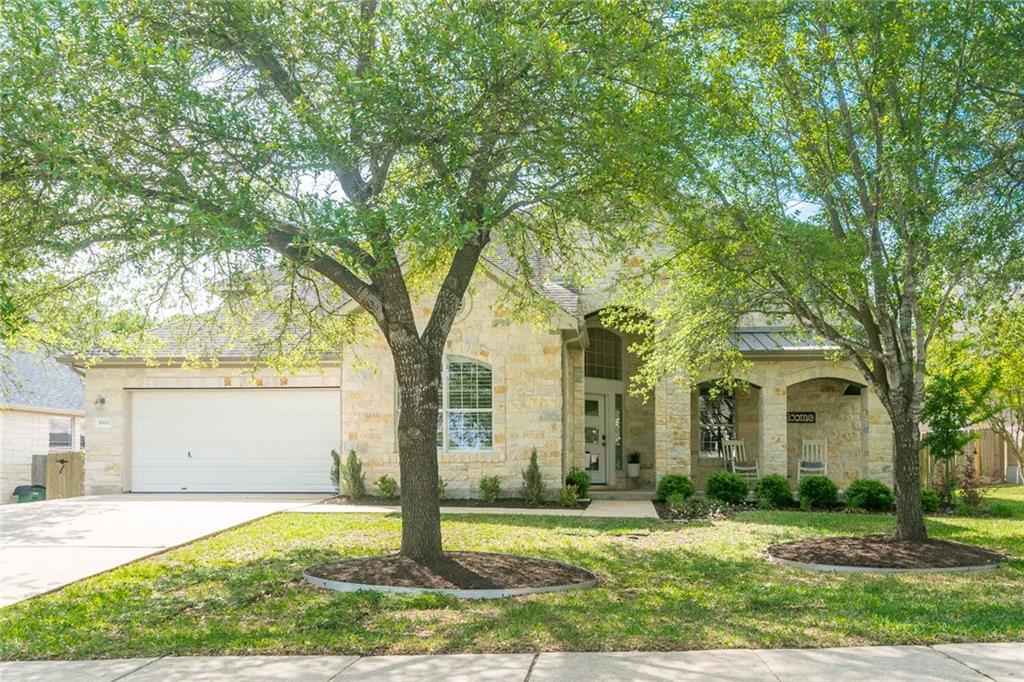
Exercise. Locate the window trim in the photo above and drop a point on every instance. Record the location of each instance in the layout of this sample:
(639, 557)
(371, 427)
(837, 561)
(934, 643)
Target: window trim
(734, 423)
(71, 434)
(444, 410)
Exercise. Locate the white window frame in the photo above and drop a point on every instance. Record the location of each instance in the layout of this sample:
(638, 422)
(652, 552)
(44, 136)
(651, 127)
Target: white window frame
(444, 411)
(71, 434)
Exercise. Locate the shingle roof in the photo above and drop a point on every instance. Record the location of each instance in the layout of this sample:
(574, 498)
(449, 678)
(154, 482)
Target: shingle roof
(543, 279)
(39, 381)
(778, 340)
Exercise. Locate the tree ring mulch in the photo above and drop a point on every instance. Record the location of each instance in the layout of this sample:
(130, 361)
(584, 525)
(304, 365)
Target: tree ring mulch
(468, 575)
(883, 554)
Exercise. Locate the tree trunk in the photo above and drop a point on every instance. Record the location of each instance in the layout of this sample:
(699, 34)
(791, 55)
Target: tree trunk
(418, 379)
(907, 479)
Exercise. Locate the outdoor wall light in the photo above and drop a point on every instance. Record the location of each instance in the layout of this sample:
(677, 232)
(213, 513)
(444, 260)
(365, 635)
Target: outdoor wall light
(100, 401)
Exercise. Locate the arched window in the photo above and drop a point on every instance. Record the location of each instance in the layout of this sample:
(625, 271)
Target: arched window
(466, 418)
(603, 357)
(717, 418)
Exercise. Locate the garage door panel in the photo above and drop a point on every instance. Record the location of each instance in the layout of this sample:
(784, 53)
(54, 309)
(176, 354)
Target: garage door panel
(240, 440)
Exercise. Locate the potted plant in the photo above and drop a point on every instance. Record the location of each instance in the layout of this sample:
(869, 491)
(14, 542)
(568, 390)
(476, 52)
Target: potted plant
(633, 465)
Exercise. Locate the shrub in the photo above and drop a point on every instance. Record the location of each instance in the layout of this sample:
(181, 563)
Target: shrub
(929, 501)
(490, 488)
(674, 483)
(675, 501)
(387, 486)
(442, 489)
(818, 492)
(532, 489)
(867, 493)
(353, 480)
(774, 490)
(727, 487)
(579, 478)
(335, 470)
(697, 508)
(568, 496)
(1002, 510)
(972, 493)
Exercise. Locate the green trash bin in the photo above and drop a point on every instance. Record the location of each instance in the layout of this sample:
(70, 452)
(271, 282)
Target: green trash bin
(30, 493)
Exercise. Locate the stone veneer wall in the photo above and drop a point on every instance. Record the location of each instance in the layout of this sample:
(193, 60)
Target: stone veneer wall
(837, 420)
(107, 450)
(526, 365)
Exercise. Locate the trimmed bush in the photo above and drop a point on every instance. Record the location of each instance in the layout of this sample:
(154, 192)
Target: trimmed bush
(568, 496)
(929, 501)
(727, 487)
(353, 480)
(818, 492)
(387, 486)
(675, 501)
(774, 490)
(674, 483)
(442, 489)
(579, 478)
(532, 489)
(867, 493)
(490, 488)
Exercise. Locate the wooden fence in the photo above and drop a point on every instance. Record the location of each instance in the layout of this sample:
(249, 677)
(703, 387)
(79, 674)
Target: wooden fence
(988, 451)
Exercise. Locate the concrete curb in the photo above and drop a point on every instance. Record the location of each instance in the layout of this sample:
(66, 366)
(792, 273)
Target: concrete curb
(829, 568)
(498, 593)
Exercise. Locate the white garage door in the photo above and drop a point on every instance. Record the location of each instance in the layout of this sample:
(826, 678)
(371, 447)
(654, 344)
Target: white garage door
(234, 440)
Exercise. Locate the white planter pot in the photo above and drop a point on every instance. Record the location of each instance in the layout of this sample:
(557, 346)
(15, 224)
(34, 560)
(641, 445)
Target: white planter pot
(633, 470)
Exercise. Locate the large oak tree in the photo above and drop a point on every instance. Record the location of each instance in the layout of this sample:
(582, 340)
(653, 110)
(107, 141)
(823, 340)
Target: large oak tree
(861, 179)
(375, 148)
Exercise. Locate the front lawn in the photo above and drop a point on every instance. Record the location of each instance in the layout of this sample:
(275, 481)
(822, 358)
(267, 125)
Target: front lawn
(662, 586)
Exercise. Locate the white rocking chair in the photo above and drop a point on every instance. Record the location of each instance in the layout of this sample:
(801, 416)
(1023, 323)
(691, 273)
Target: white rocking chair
(736, 460)
(813, 459)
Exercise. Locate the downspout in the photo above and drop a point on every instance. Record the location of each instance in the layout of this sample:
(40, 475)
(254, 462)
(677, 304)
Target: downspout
(569, 391)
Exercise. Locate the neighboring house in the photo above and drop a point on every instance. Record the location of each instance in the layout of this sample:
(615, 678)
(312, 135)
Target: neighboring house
(510, 387)
(41, 410)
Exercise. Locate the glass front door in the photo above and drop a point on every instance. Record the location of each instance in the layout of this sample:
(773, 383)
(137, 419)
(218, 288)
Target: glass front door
(595, 438)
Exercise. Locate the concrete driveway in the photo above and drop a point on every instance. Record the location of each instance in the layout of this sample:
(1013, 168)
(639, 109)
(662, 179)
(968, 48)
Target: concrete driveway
(45, 545)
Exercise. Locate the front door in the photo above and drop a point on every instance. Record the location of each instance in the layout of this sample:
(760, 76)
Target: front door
(595, 438)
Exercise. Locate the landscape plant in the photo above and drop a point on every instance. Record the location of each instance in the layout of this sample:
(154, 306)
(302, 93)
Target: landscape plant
(869, 494)
(670, 484)
(532, 489)
(353, 480)
(817, 492)
(387, 486)
(930, 500)
(335, 471)
(490, 488)
(567, 496)
(727, 487)
(580, 479)
(774, 490)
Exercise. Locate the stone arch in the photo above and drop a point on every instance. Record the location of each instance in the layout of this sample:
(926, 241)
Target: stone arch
(826, 371)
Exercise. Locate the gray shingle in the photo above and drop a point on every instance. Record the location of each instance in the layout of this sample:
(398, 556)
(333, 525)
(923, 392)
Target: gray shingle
(39, 381)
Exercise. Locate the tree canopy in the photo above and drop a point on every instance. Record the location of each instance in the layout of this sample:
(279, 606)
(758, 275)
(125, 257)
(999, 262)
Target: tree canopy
(863, 183)
(342, 151)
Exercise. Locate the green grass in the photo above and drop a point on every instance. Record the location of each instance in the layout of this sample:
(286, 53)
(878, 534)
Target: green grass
(661, 586)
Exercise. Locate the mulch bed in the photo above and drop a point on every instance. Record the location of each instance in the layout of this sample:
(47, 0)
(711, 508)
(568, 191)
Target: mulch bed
(885, 551)
(502, 502)
(458, 570)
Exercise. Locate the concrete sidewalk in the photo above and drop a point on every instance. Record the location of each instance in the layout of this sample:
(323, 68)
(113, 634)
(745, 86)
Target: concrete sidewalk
(1000, 662)
(607, 509)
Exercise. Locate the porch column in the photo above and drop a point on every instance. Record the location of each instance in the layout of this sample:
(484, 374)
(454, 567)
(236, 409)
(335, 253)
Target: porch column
(671, 428)
(877, 438)
(772, 430)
